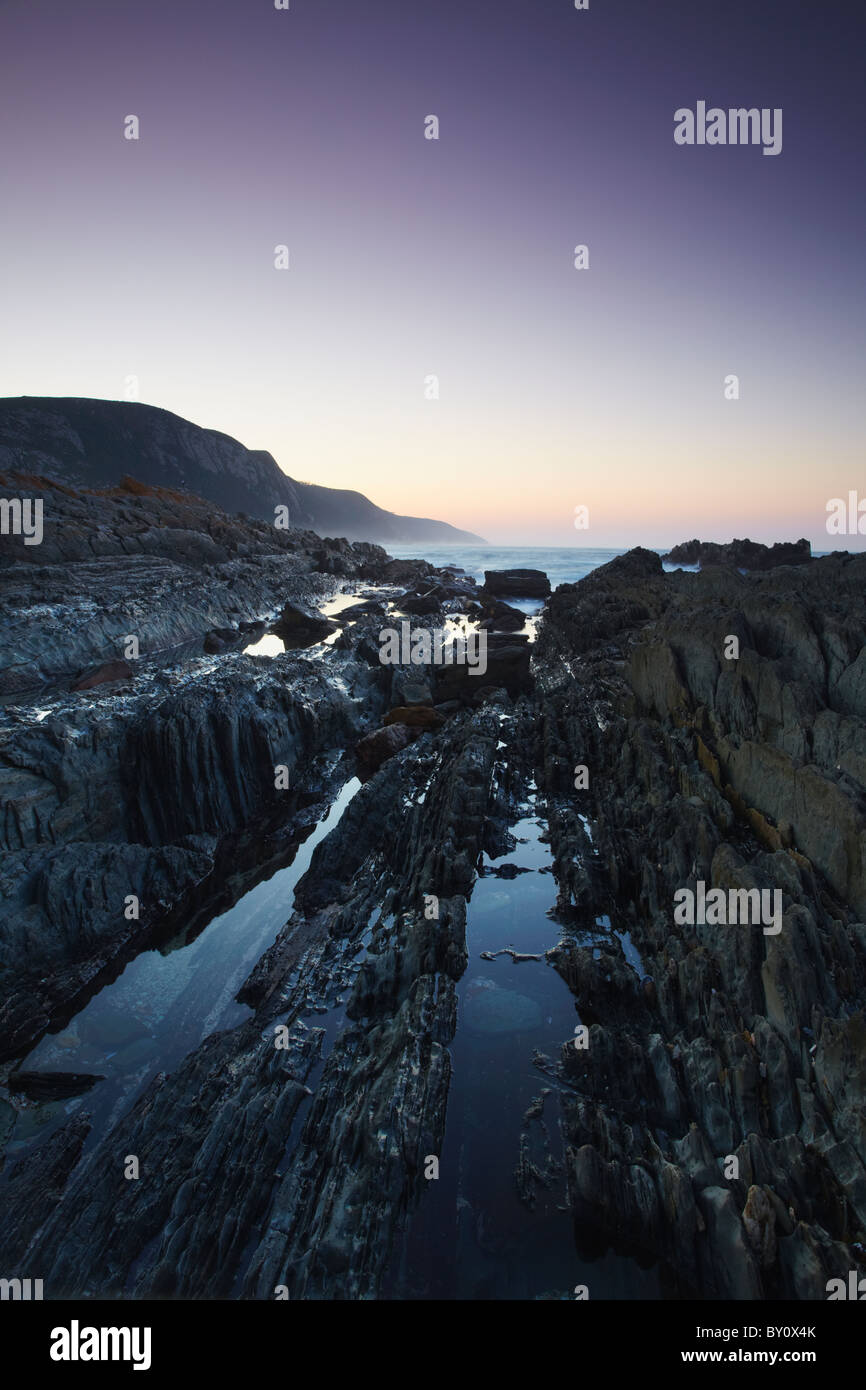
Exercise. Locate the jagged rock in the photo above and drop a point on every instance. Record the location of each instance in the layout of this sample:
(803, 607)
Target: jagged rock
(759, 1219)
(695, 772)
(730, 1258)
(35, 1185)
(745, 554)
(161, 565)
(707, 1043)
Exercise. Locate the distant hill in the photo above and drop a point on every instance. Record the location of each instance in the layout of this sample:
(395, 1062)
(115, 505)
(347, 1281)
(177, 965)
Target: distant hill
(94, 443)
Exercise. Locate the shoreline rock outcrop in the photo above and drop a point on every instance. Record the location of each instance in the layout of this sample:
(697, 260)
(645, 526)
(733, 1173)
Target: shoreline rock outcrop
(712, 1127)
(740, 554)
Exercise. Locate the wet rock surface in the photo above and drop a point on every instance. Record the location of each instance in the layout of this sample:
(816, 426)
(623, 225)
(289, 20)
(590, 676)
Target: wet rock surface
(709, 1126)
(164, 567)
(116, 786)
(501, 617)
(716, 1058)
(507, 666)
(299, 626)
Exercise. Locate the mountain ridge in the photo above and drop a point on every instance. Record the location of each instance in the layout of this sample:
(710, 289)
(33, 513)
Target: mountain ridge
(91, 442)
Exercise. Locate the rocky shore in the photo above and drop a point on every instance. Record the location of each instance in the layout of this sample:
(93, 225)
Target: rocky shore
(740, 554)
(712, 1127)
(741, 773)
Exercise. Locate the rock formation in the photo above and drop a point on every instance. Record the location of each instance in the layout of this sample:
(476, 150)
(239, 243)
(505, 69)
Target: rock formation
(711, 1129)
(744, 555)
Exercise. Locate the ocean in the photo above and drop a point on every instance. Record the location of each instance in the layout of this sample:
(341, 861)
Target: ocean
(562, 564)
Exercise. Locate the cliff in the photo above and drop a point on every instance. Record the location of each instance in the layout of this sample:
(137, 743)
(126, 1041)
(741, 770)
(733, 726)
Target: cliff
(93, 443)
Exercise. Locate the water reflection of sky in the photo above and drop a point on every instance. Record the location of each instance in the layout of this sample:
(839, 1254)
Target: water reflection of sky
(166, 1002)
(472, 1237)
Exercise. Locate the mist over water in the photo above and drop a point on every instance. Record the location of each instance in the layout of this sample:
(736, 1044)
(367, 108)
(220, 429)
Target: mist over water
(562, 564)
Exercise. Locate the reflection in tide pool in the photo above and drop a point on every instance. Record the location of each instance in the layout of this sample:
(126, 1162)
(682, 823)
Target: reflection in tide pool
(166, 1002)
(482, 1231)
(271, 645)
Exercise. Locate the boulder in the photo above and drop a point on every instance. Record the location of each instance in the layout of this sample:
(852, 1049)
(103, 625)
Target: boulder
(419, 604)
(516, 584)
(507, 666)
(501, 617)
(375, 748)
(299, 626)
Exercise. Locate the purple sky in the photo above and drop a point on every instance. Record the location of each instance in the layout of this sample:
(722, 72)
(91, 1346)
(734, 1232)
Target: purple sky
(411, 257)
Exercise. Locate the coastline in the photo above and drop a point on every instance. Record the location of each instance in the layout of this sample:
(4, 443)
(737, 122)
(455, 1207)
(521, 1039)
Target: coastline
(707, 1051)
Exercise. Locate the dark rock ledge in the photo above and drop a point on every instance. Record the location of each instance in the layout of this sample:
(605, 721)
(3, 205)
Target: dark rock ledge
(302, 1166)
(736, 554)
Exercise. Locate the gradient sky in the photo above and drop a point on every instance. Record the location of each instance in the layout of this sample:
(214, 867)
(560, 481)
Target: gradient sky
(455, 257)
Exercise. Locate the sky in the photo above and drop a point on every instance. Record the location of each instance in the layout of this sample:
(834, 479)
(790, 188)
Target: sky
(412, 258)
